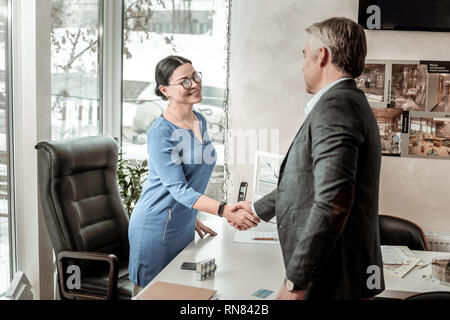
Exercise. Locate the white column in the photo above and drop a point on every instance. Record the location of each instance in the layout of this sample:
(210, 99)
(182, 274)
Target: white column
(32, 123)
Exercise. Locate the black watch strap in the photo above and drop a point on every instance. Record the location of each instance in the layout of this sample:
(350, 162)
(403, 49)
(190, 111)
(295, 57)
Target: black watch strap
(221, 207)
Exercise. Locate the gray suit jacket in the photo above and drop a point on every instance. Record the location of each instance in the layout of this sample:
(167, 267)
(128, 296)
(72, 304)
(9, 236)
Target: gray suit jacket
(326, 202)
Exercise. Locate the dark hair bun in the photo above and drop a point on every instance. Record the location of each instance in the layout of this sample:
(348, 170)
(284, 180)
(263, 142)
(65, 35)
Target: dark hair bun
(164, 70)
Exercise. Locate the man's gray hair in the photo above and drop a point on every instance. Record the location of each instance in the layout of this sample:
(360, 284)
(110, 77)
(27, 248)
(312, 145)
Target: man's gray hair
(345, 41)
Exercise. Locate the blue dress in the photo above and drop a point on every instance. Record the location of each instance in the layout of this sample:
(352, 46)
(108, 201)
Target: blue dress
(163, 221)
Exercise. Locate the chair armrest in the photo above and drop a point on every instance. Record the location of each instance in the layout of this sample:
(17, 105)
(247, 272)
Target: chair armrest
(94, 256)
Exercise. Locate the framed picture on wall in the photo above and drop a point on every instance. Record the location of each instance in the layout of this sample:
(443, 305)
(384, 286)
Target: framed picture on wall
(373, 82)
(411, 103)
(408, 87)
(438, 92)
(390, 125)
(438, 99)
(429, 135)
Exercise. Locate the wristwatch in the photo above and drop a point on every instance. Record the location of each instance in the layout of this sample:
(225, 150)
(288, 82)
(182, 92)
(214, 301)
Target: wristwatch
(290, 286)
(221, 207)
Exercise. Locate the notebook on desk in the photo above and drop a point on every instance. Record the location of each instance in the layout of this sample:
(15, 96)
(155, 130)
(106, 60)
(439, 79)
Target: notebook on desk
(398, 260)
(171, 291)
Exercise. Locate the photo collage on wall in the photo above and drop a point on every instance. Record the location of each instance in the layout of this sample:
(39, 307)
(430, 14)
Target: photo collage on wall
(411, 102)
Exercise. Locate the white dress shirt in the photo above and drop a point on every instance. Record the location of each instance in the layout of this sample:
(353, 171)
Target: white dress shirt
(311, 103)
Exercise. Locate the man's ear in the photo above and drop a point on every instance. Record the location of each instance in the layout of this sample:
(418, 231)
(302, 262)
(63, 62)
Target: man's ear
(323, 56)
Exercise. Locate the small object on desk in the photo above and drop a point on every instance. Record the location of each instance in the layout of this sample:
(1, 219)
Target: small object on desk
(206, 269)
(440, 270)
(242, 192)
(423, 265)
(262, 293)
(256, 237)
(189, 266)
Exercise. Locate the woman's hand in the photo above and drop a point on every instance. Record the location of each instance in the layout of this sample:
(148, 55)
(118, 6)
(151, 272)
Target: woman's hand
(202, 229)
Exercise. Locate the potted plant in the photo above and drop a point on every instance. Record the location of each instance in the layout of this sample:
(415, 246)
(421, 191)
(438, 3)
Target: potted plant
(131, 175)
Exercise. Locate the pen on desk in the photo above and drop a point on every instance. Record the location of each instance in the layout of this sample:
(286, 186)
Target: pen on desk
(272, 239)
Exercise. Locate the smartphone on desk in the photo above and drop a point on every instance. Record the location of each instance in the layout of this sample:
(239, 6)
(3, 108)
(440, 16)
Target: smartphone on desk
(189, 266)
(242, 191)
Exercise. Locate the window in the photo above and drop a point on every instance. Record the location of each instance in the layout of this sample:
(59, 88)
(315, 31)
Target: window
(154, 30)
(76, 68)
(6, 251)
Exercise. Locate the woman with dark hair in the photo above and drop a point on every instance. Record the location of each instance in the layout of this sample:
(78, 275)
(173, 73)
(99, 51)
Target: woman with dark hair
(181, 160)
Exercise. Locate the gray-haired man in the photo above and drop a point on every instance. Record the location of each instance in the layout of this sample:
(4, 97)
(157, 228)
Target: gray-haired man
(326, 201)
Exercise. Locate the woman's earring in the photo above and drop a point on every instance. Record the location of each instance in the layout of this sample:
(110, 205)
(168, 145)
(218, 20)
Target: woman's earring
(164, 93)
(163, 90)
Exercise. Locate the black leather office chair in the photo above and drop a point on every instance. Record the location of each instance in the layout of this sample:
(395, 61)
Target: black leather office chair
(85, 217)
(401, 232)
(434, 295)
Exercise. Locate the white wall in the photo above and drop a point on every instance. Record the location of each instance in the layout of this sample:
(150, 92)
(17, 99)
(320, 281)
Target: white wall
(267, 91)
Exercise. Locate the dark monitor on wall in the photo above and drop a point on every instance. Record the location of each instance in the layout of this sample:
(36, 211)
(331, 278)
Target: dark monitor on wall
(412, 15)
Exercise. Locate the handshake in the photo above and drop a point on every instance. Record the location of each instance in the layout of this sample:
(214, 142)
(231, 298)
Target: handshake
(241, 216)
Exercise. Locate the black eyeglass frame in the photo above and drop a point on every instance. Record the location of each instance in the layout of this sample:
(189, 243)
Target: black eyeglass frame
(187, 83)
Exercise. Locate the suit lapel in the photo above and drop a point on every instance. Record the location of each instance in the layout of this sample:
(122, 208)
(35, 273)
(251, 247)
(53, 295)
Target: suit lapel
(349, 82)
(287, 154)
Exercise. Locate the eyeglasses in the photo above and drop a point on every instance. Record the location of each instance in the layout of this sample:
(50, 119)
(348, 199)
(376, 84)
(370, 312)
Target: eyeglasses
(187, 83)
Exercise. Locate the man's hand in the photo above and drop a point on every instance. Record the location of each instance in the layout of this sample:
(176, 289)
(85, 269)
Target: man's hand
(243, 205)
(202, 229)
(246, 205)
(285, 294)
(240, 218)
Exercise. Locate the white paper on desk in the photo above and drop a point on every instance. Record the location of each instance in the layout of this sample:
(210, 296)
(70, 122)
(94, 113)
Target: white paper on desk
(398, 254)
(247, 237)
(393, 255)
(400, 270)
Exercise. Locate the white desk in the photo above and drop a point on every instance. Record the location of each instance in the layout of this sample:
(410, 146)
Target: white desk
(416, 281)
(243, 268)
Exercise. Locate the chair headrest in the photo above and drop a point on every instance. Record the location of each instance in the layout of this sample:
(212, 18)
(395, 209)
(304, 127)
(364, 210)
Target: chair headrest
(72, 156)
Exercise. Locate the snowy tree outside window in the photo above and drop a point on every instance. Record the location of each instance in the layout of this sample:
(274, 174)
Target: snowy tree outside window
(195, 29)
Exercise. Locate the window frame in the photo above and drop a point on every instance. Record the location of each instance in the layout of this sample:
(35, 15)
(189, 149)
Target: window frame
(100, 71)
(112, 69)
(10, 144)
